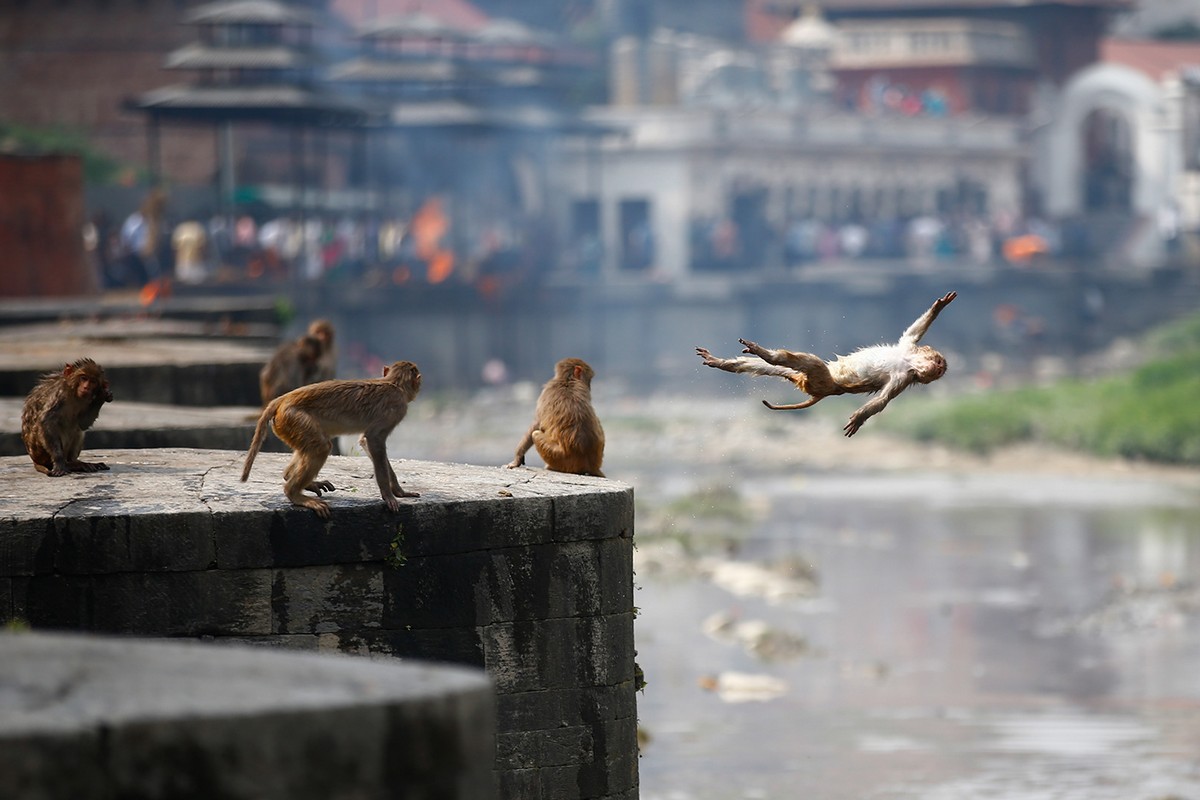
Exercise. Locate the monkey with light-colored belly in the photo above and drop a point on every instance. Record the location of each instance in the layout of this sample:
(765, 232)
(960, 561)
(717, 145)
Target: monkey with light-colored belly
(886, 368)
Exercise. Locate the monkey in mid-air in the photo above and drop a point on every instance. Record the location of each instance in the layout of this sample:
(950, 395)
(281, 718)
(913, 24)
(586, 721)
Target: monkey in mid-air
(885, 368)
(305, 419)
(56, 413)
(304, 360)
(565, 429)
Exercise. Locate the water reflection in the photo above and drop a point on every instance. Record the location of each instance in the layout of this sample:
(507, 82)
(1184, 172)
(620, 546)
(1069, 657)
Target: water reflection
(973, 636)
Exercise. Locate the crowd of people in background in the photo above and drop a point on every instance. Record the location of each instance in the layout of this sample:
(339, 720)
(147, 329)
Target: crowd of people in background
(148, 246)
(719, 244)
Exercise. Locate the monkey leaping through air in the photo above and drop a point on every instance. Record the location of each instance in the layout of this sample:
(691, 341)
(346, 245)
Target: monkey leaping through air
(885, 368)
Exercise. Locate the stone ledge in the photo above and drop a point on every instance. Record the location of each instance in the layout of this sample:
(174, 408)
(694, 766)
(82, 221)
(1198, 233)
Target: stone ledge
(128, 424)
(164, 720)
(526, 573)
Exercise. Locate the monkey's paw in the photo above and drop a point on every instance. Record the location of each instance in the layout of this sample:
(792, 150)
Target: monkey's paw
(752, 347)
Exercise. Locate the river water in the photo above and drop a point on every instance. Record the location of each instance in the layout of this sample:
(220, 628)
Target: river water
(823, 618)
(944, 636)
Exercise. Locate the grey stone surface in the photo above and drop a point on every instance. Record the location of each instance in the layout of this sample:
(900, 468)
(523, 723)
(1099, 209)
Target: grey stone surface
(83, 717)
(141, 364)
(526, 573)
(126, 424)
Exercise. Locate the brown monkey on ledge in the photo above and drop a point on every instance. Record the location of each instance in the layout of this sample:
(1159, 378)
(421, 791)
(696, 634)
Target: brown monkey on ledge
(56, 413)
(565, 430)
(885, 368)
(305, 419)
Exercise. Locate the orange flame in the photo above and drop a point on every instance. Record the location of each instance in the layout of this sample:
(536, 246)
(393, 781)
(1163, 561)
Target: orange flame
(429, 226)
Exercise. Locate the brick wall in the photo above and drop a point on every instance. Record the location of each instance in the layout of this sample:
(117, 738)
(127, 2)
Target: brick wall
(41, 226)
(73, 63)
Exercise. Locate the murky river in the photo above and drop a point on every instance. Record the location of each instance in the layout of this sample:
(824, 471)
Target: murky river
(811, 629)
(959, 636)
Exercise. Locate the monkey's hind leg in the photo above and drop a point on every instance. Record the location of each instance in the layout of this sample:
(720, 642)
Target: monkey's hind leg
(810, 373)
(316, 487)
(299, 475)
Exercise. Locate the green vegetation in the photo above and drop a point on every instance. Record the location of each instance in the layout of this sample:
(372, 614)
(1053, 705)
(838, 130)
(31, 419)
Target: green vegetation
(97, 167)
(396, 557)
(1150, 413)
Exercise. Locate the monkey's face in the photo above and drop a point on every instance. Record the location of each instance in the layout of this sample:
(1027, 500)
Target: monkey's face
(930, 365)
(93, 388)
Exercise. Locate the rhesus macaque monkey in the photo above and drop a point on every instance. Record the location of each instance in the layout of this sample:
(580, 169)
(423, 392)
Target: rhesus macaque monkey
(291, 367)
(885, 368)
(324, 368)
(565, 429)
(305, 419)
(56, 413)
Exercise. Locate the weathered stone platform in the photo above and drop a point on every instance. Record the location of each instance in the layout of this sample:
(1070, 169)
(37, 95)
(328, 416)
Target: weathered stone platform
(149, 361)
(524, 572)
(90, 718)
(125, 425)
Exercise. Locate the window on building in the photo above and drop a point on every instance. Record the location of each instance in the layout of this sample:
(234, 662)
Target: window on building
(637, 234)
(586, 245)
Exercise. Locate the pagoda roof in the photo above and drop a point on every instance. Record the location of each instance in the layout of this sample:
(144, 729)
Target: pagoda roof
(372, 69)
(259, 102)
(417, 25)
(260, 12)
(200, 56)
(901, 7)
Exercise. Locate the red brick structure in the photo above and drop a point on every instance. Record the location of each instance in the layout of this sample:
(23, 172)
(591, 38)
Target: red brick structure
(41, 228)
(73, 63)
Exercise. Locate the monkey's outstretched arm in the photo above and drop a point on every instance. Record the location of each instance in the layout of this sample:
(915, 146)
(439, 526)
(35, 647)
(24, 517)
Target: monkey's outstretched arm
(523, 447)
(869, 409)
(921, 326)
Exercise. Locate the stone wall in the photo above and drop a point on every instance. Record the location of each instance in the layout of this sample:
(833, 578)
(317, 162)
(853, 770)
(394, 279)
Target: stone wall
(523, 572)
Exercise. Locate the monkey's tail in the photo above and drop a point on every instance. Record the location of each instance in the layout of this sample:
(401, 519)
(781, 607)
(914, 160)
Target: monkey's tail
(260, 435)
(793, 406)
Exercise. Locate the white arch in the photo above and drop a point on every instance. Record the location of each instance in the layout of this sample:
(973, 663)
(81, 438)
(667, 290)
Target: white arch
(1139, 101)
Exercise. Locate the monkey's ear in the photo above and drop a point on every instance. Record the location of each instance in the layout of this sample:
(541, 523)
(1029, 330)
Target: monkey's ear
(578, 371)
(67, 369)
(386, 370)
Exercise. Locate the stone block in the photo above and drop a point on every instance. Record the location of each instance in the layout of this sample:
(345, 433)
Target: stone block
(440, 591)
(26, 546)
(242, 539)
(6, 600)
(559, 653)
(465, 526)
(300, 538)
(451, 645)
(595, 515)
(327, 599)
(88, 545)
(553, 708)
(554, 747)
(549, 783)
(210, 603)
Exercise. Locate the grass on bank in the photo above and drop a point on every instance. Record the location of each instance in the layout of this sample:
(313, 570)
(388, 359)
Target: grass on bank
(1152, 413)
